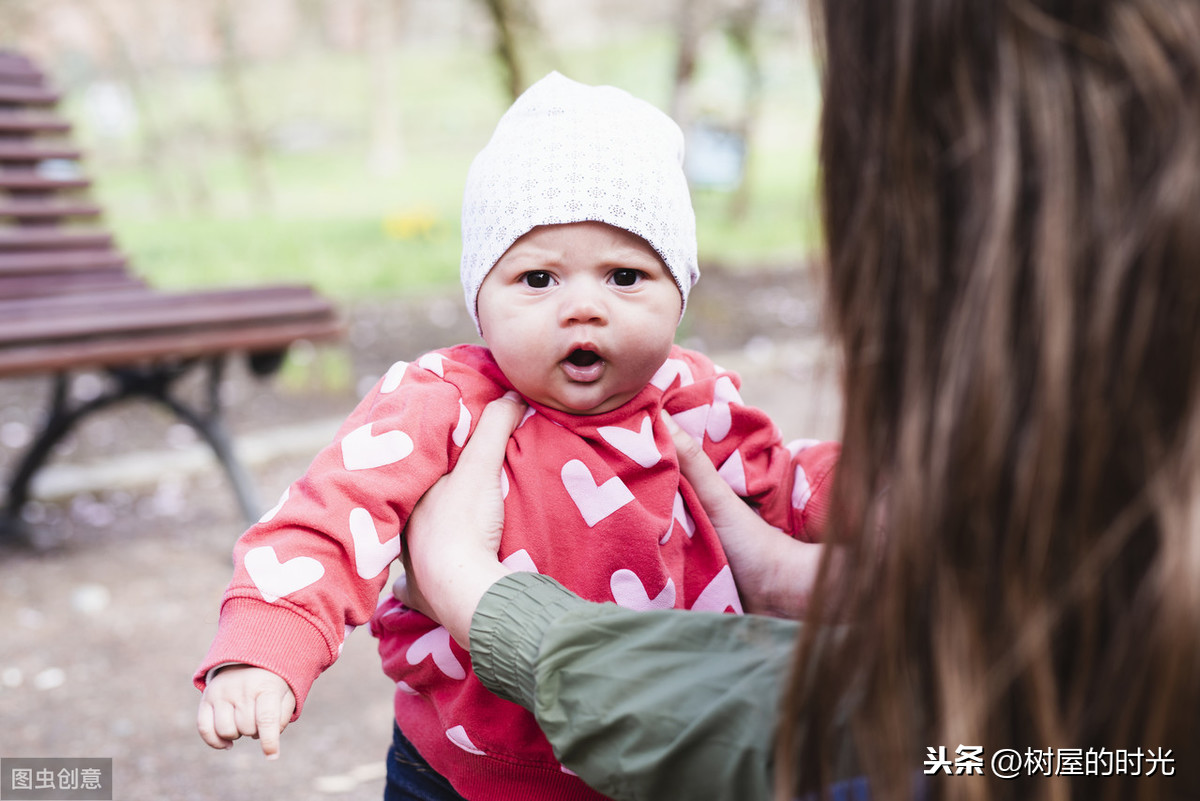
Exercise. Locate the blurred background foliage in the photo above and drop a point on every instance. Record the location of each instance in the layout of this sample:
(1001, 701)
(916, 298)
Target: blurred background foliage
(327, 141)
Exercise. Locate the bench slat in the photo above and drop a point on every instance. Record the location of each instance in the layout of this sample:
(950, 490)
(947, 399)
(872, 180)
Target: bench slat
(50, 262)
(117, 289)
(26, 95)
(29, 179)
(250, 338)
(33, 123)
(29, 322)
(138, 302)
(20, 75)
(16, 66)
(53, 239)
(37, 151)
(95, 283)
(46, 208)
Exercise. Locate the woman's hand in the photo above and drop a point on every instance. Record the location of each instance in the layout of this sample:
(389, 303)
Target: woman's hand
(774, 572)
(453, 535)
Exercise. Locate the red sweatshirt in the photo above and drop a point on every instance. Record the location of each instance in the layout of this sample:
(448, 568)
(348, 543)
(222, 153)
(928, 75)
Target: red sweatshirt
(595, 501)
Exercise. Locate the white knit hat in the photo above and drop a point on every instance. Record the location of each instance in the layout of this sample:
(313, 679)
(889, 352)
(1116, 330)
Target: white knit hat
(566, 152)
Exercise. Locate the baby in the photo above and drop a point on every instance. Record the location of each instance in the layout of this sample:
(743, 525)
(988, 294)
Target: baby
(579, 251)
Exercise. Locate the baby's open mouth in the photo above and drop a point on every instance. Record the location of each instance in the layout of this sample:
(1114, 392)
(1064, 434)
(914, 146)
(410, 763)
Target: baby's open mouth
(583, 358)
(583, 365)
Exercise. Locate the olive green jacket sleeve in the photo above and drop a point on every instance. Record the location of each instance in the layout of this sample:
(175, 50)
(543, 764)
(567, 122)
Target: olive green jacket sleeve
(642, 705)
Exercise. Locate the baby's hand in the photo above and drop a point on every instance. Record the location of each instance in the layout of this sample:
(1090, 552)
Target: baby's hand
(242, 699)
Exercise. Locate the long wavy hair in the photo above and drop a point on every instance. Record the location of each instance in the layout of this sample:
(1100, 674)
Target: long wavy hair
(1011, 198)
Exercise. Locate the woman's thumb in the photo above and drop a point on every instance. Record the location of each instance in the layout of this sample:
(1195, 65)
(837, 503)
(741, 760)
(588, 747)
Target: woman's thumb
(717, 498)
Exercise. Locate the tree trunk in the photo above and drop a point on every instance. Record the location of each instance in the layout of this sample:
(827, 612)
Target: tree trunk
(384, 147)
(741, 33)
(505, 16)
(16, 17)
(688, 31)
(314, 35)
(246, 135)
(151, 148)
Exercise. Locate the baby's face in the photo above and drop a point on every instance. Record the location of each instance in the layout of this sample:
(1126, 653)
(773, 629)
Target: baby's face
(579, 316)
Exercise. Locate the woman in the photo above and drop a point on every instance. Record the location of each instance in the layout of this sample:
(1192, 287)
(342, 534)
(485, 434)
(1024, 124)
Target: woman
(1011, 195)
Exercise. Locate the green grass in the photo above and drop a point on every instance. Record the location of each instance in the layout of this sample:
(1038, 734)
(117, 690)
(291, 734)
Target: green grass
(342, 255)
(333, 223)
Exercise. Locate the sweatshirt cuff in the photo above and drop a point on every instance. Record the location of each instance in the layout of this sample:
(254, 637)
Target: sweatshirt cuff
(507, 631)
(275, 638)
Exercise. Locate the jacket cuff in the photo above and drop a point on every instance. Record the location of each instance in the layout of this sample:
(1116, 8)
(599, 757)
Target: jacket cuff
(507, 631)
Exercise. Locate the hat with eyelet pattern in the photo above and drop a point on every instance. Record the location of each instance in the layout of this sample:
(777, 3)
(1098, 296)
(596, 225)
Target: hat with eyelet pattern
(567, 152)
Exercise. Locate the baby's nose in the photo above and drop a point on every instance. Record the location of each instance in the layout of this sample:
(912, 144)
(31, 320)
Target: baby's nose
(582, 304)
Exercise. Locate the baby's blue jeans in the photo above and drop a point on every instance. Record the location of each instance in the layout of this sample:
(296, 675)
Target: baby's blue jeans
(409, 777)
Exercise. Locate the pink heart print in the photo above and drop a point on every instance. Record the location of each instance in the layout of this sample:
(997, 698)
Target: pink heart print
(720, 594)
(629, 591)
(371, 557)
(436, 644)
(363, 450)
(393, 377)
(671, 369)
(595, 502)
(275, 579)
(458, 736)
(637, 445)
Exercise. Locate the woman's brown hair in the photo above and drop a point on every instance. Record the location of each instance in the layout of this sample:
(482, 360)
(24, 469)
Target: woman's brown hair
(1011, 197)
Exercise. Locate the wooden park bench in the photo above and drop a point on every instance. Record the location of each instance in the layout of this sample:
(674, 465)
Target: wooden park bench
(69, 303)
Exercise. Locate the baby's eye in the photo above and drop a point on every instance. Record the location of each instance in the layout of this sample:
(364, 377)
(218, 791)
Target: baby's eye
(626, 277)
(536, 279)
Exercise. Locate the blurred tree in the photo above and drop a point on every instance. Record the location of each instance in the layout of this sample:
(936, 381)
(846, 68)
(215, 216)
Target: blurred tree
(151, 147)
(384, 145)
(510, 20)
(16, 18)
(314, 31)
(740, 29)
(689, 28)
(738, 21)
(246, 134)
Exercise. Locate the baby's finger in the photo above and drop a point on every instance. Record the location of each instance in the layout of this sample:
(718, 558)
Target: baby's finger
(225, 722)
(207, 727)
(269, 720)
(245, 718)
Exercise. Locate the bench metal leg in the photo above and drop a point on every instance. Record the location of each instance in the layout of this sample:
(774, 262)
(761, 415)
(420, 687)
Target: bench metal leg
(211, 426)
(59, 421)
(148, 383)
